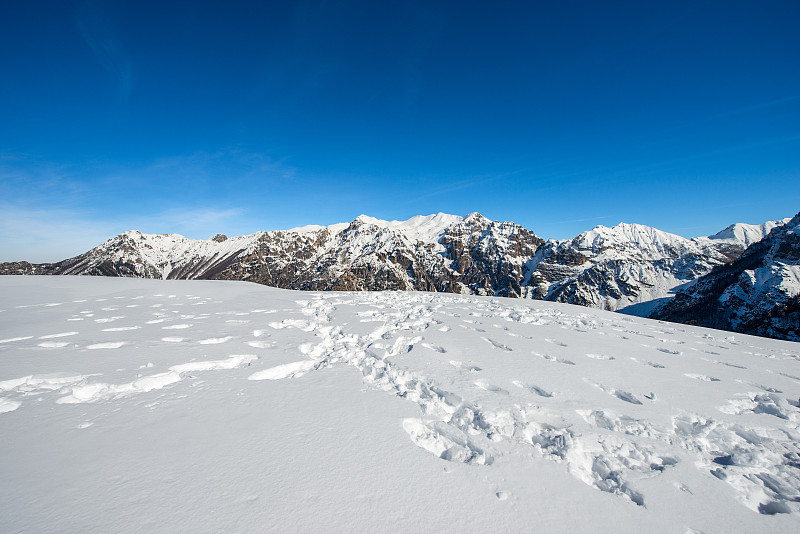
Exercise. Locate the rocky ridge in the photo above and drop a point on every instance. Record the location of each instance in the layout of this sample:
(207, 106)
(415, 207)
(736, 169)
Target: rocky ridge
(758, 293)
(612, 268)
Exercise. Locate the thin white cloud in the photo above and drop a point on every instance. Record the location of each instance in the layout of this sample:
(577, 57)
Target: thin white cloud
(195, 223)
(97, 30)
(48, 235)
(42, 235)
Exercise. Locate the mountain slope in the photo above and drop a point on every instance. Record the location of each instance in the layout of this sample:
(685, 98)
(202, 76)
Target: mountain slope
(759, 293)
(615, 267)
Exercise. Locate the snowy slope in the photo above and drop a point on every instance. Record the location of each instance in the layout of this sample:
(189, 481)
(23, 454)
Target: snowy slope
(206, 406)
(759, 293)
(748, 234)
(645, 241)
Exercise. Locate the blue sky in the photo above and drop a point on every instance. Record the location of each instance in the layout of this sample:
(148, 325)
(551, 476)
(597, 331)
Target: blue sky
(201, 117)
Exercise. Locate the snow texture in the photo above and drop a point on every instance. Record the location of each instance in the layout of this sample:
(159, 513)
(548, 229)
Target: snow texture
(382, 411)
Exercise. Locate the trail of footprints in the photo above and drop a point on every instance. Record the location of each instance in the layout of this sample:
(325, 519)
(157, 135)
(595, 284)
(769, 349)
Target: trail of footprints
(611, 459)
(762, 464)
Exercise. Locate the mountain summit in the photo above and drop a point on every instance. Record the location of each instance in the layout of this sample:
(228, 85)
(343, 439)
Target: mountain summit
(628, 267)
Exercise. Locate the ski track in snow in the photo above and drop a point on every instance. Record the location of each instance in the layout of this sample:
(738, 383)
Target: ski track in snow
(509, 404)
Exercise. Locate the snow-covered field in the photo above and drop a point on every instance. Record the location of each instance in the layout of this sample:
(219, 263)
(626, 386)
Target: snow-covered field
(135, 405)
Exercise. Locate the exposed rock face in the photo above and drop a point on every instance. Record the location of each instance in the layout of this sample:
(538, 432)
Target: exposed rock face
(628, 264)
(609, 268)
(457, 255)
(759, 293)
(21, 267)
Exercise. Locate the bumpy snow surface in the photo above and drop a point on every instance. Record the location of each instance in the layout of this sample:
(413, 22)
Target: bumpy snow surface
(199, 406)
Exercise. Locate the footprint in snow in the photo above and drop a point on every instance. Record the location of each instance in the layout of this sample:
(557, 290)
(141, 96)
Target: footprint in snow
(495, 344)
(647, 362)
(287, 370)
(445, 441)
(618, 393)
(532, 388)
(554, 358)
(215, 340)
(483, 384)
(261, 344)
(730, 364)
(626, 396)
(768, 389)
(109, 345)
(703, 378)
(435, 348)
(460, 365)
(600, 357)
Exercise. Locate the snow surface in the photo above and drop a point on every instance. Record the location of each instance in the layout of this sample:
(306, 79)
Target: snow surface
(651, 242)
(421, 228)
(208, 406)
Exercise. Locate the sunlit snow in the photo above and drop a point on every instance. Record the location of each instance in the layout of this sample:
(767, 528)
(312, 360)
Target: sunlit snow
(131, 405)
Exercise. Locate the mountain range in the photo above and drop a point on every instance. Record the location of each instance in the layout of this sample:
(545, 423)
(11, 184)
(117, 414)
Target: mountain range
(631, 268)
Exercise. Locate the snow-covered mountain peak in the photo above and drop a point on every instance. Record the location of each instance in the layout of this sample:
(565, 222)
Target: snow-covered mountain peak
(366, 219)
(609, 267)
(627, 235)
(476, 218)
(747, 234)
(421, 228)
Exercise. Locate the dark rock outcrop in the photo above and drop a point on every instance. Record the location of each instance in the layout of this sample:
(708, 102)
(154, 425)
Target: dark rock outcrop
(758, 293)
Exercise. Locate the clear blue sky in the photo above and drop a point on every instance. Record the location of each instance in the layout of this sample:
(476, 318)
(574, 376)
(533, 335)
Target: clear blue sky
(201, 117)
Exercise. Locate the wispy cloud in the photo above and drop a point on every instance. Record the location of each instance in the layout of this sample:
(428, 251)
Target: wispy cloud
(98, 31)
(226, 165)
(46, 235)
(51, 234)
(191, 221)
(468, 183)
(50, 211)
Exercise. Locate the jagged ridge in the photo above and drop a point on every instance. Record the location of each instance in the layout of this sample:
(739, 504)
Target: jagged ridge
(610, 268)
